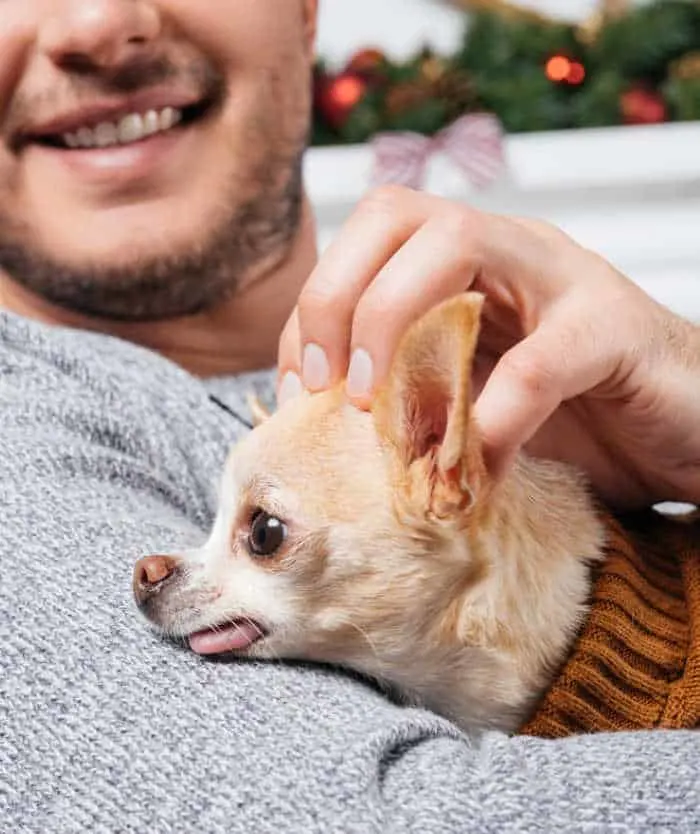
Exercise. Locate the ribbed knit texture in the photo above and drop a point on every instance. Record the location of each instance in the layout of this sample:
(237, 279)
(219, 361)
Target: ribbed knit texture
(636, 663)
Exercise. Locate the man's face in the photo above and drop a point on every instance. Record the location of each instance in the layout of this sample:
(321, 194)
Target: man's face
(106, 206)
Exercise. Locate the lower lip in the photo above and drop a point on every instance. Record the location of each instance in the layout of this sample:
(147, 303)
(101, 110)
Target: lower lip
(118, 163)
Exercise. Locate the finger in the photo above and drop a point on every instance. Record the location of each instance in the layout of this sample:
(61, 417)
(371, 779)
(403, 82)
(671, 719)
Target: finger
(289, 361)
(289, 346)
(567, 355)
(382, 223)
(452, 251)
(439, 261)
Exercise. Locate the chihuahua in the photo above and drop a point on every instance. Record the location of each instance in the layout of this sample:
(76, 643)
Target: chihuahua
(377, 541)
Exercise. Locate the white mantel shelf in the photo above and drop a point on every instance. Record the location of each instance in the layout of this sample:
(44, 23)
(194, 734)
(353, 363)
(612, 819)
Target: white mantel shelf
(631, 193)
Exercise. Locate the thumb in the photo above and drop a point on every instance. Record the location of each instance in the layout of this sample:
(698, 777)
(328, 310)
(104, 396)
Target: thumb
(560, 360)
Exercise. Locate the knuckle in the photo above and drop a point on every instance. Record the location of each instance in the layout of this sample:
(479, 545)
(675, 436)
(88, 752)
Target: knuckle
(371, 315)
(317, 301)
(462, 222)
(529, 372)
(381, 319)
(464, 229)
(540, 228)
(385, 199)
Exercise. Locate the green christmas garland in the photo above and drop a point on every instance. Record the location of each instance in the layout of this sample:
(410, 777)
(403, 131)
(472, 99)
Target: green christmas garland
(534, 74)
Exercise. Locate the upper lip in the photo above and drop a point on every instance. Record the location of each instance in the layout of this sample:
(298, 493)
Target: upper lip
(112, 110)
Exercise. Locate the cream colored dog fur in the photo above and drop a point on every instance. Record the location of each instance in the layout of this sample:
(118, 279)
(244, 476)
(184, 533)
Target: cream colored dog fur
(377, 541)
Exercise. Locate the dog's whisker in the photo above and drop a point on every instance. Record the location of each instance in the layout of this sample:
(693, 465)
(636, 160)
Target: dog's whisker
(347, 621)
(262, 634)
(254, 625)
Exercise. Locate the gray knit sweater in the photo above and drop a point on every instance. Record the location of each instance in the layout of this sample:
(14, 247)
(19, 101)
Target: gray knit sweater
(107, 452)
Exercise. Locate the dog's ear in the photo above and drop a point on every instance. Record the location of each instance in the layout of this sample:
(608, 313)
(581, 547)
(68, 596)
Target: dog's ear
(424, 410)
(257, 410)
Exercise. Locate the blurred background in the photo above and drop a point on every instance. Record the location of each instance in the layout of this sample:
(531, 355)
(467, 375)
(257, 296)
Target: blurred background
(582, 112)
(349, 25)
(400, 27)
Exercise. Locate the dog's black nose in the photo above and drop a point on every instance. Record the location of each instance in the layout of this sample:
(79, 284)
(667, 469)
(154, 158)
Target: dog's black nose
(149, 575)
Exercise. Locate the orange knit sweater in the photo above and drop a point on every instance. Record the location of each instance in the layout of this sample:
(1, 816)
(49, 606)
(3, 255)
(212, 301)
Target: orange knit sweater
(636, 662)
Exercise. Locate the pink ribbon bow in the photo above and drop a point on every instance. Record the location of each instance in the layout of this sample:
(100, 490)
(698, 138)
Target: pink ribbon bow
(473, 142)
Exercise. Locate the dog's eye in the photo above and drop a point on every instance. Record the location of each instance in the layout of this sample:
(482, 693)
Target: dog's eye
(267, 534)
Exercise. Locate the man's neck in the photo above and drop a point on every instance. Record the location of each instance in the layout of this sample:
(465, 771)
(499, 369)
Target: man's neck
(239, 335)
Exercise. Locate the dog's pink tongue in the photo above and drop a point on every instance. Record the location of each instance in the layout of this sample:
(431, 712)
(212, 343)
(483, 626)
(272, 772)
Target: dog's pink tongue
(230, 638)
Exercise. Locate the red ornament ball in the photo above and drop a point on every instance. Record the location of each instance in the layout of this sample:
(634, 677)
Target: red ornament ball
(368, 63)
(561, 69)
(337, 96)
(640, 106)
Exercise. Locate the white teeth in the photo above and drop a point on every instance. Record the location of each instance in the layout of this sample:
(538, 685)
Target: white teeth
(84, 138)
(151, 123)
(105, 134)
(131, 128)
(168, 118)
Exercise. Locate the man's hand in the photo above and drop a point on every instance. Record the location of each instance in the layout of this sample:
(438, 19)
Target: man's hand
(575, 362)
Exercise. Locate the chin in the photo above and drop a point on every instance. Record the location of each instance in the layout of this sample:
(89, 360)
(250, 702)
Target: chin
(122, 237)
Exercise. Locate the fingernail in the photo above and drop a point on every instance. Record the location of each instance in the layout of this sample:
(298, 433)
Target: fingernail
(291, 387)
(360, 374)
(315, 370)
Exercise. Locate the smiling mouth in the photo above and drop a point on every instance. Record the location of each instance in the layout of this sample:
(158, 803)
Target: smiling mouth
(128, 129)
(236, 635)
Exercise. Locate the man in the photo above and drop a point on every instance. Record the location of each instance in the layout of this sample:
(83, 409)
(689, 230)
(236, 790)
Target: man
(154, 236)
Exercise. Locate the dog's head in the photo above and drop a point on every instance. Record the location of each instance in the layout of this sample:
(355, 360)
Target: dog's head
(342, 536)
